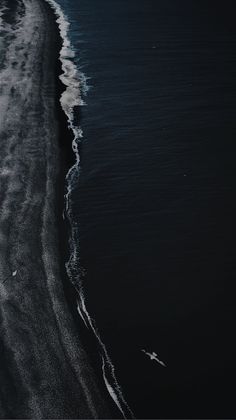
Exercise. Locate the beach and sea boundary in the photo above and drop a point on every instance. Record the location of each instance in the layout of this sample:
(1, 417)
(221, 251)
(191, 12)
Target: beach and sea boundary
(45, 371)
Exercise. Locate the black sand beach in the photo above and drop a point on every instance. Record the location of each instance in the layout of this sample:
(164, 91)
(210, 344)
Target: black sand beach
(45, 373)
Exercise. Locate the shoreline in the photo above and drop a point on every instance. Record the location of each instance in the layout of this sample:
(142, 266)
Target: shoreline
(71, 100)
(47, 373)
(67, 160)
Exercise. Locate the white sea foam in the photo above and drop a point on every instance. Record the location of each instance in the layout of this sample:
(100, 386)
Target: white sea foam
(76, 87)
(5, 172)
(109, 387)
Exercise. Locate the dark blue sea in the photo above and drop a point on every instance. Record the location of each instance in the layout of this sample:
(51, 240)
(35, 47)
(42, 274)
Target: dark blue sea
(155, 202)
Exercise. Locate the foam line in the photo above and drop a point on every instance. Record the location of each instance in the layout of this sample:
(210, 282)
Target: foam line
(75, 90)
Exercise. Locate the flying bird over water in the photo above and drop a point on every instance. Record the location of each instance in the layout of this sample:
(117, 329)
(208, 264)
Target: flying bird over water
(153, 356)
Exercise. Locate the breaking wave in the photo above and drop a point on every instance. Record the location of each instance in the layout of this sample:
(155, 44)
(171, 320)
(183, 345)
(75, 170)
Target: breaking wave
(76, 88)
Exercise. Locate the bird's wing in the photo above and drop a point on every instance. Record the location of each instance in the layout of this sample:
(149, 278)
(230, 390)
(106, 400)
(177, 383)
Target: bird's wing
(160, 362)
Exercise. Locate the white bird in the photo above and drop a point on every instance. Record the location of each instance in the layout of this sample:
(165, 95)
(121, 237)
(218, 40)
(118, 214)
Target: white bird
(153, 356)
(14, 273)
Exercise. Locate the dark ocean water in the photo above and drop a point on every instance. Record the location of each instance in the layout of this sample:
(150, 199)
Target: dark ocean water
(156, 197)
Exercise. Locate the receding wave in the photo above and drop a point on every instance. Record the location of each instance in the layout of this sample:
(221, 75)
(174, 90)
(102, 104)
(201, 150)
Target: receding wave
(73, 96)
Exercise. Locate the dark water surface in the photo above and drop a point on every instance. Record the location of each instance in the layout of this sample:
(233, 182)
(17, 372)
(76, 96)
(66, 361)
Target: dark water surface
(156, 197)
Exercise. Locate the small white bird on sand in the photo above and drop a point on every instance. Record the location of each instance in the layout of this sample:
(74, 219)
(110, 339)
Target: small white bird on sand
(153, 356)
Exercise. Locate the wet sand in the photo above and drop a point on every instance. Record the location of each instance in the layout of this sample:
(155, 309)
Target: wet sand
(45, 373)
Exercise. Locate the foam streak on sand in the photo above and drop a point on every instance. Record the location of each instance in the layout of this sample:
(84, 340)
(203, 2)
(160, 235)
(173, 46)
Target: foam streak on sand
(2, 10)
(75, 89)
(45, 372)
